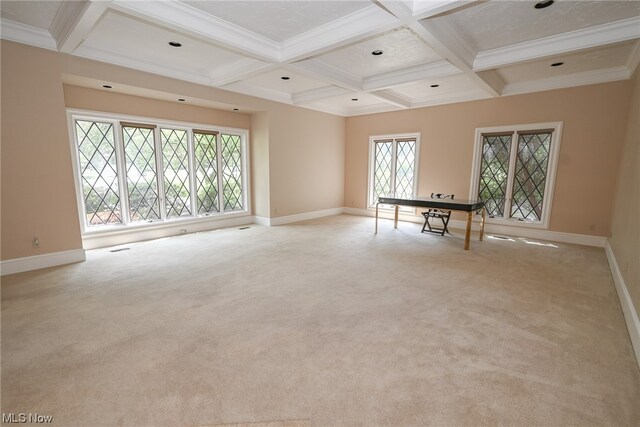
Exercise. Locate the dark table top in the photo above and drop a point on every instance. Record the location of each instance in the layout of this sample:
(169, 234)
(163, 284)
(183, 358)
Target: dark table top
(428, 202)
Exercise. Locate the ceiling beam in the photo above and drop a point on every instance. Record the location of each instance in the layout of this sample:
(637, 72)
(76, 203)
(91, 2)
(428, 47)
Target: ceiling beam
(312, 95)
(408, 75)
(348, 29)
(446, 42)
(427, 9)
(205, 27)
(74, 21)
(313, 67)
(601, 35)
(392, 97)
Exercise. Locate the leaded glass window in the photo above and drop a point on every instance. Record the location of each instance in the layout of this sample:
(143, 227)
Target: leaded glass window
(98, 172)
(175, 160)
(530, 175)
(139, 172)
(494, 168)
(231, 172)
(140, 161)
(514, 173)
(393, 168)
(206, 175)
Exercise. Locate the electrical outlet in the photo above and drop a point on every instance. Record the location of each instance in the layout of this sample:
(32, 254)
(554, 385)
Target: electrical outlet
(35, 242)
(183, 231)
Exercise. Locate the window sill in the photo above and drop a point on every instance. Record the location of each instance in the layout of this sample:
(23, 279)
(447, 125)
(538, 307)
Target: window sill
(133, 233)
(539, 225)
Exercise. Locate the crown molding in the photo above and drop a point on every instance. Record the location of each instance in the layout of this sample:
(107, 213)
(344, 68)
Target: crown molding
(203, 26)
(26, 34)
(239, 70)
(372, 109)
(90, 52)
(309, 96)
(321, 69)
(74, 20)
(569, 80)
(634, 59)
(449, 98)
(259, 91)
(392, 97)
(614, 32)
(348, 29)
(427, 9)
(408, 75)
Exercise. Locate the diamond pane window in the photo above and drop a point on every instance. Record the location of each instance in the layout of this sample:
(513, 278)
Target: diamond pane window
(393, 167)
(515, 172)
(494, 169)
(231, 172)
(382, 170)
(98, 172)
(530, 175)
(140, 164)
(405, 162)
(206, 172)
(175, 160)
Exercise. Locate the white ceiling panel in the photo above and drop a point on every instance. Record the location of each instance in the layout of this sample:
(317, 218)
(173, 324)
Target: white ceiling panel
(485, 48)
(493, 24)
(401, 47)
(589, 60)
(39, 14)
(279, 20)
(297, 82)
(116, 34)
(446, 85)
(345, 102)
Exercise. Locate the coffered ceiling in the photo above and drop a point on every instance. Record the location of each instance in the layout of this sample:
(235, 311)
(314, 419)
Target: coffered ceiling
(432, 52)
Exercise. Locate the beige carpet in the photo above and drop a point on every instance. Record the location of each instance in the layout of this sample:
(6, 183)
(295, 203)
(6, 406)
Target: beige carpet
(325, 322)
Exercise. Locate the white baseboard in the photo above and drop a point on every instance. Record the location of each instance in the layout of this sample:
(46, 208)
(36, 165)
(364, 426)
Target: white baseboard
(532, 233)
(630, 314)
(121, 237)
(261, 220)
(281, 220)
(19, 265)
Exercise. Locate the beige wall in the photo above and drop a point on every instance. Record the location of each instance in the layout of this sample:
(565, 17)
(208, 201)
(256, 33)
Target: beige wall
(306, 161)
(113, 102)
(625, 237)
(38, 195)
(594, 124)
(297, 158)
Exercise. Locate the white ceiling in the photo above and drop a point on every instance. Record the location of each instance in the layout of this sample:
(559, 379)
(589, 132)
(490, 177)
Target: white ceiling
(471, 49)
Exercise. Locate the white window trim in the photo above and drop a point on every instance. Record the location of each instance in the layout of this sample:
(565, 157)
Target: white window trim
(115, 119)
(416, 166)
(551, 170)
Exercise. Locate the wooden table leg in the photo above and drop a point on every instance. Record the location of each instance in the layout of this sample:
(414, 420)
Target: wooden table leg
(467, 234)
(395, 218)
(377, 204)
(482, 224)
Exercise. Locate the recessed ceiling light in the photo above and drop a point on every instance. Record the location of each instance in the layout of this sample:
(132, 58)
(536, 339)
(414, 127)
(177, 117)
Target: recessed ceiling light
(543, 4)
(377, 52)
(175, 44)
(557, 64)
(181, 99)
(285, 77)
(107, 86)
(435, 85)
(354, 99)
(236, 109)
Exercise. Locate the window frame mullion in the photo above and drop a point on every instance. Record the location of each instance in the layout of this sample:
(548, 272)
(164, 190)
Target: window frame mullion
(159, 157)
(219, 173)
(513, 155)
(121, 167)
(394, 161)
(192, 173)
